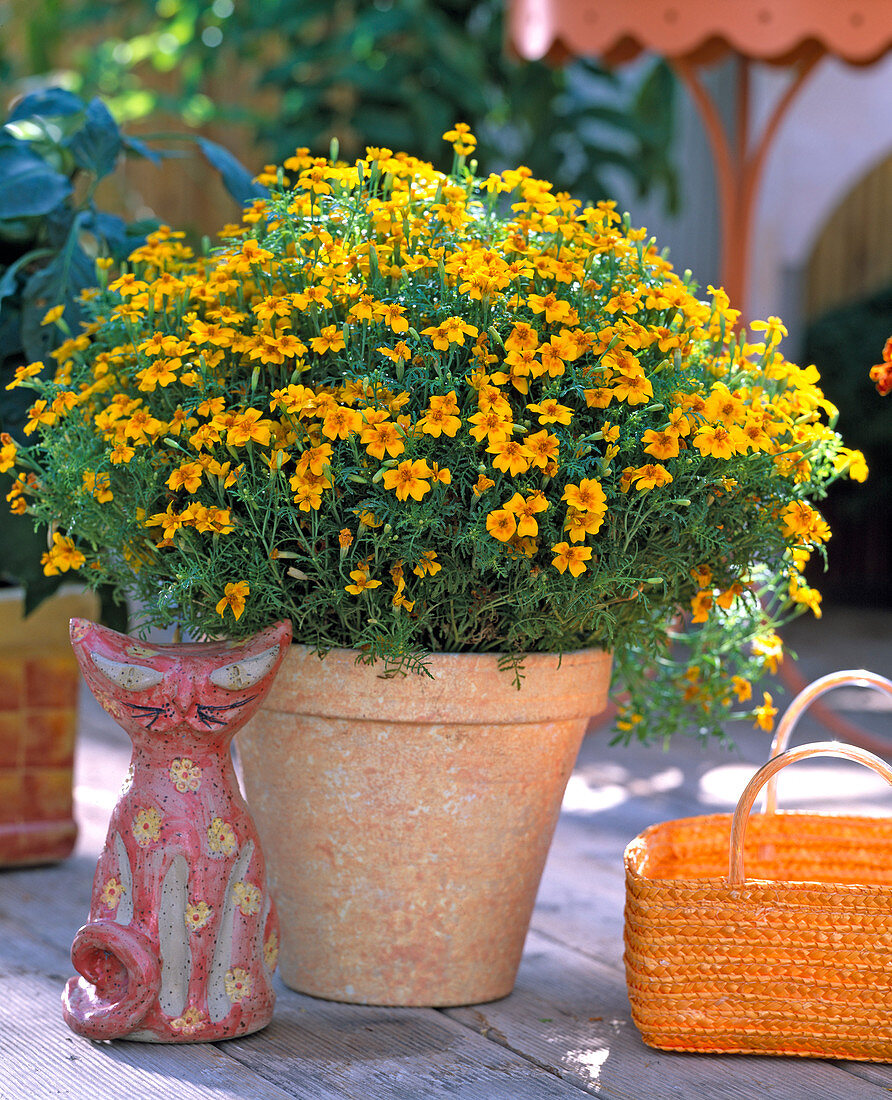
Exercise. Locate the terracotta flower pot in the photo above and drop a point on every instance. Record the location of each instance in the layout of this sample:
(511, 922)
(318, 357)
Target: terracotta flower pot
(406, 820)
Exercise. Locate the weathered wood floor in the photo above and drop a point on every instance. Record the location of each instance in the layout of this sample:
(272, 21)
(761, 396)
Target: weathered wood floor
(564, 1032)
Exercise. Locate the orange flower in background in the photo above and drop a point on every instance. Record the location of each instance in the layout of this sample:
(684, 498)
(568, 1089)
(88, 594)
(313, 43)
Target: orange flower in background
(881, 374)
(701, 605)
(764, 715)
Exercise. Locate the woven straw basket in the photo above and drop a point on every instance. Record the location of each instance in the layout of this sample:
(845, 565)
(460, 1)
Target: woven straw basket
(770, 934)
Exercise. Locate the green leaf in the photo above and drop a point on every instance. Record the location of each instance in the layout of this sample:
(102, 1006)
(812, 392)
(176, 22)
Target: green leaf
(59, 283)
(28, 186)
(236, 178)
(97, 145)
(48, 103)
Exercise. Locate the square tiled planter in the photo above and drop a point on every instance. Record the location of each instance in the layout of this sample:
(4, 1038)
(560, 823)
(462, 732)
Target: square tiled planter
(39, 681)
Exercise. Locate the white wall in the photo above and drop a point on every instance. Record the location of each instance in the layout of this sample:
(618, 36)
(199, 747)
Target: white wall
(838, 128)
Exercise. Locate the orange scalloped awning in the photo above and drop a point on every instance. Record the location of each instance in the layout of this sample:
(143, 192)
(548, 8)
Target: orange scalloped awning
(779, 31)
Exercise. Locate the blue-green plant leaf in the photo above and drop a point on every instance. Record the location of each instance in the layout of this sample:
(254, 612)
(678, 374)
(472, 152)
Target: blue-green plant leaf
(9, 283)
(59, 283)
(134, 145)
(47, 103)
(97, 144)
(236, 178)
(28, 186)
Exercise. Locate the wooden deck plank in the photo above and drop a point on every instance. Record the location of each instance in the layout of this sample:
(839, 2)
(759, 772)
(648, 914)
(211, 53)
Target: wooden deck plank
(313, 1050)
(390, 1054)
(40, 1057)
(571, 1013)
(566, 1030)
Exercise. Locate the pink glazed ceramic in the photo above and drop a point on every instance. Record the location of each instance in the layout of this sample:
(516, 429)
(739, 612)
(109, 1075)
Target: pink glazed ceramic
(182, 936)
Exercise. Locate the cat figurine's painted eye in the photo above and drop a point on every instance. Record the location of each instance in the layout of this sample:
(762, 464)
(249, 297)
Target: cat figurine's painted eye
(129, 677)
(247, 673)
(233, 677)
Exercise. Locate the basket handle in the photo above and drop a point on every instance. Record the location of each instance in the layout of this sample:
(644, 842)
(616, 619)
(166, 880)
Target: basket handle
(854, 677)
(736, 873)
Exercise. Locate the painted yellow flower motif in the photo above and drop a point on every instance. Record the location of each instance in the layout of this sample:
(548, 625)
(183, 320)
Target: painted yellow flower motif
(271, 951)
(185, 775)
(198, 913)
(221, 838)
(111, 893)
(237, 983)
(247, 897)
(146, 827)
(192, 1020)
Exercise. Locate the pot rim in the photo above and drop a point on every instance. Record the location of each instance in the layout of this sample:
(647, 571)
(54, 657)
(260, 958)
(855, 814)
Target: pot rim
(462, 688)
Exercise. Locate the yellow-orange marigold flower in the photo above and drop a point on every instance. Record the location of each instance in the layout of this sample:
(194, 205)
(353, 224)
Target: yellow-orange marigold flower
(764, 715)
(661, 444)
(427, 564)
(525, 509)
(587, 496)
(234, 597)
(570, 557)
(512, 457)
(62, 556)
(501, 524)
(409, 479)
(361, 581)
(650, 476)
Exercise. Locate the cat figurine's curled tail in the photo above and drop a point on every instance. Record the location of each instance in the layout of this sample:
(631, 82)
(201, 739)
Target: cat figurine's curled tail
(182, 936)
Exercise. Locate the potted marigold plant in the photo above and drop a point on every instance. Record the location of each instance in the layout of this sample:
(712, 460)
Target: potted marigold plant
(475, 441)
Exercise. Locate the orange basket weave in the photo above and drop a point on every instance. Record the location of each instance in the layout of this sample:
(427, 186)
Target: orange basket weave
(770, 934)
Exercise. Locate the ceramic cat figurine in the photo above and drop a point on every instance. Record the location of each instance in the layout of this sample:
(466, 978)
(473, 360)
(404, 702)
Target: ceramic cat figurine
(182, 936)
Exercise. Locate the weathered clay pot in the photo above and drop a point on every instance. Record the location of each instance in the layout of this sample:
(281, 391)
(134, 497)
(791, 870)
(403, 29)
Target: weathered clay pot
(406, 820)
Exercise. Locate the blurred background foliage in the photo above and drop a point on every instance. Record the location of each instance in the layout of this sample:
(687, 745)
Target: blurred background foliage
(274, 75)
